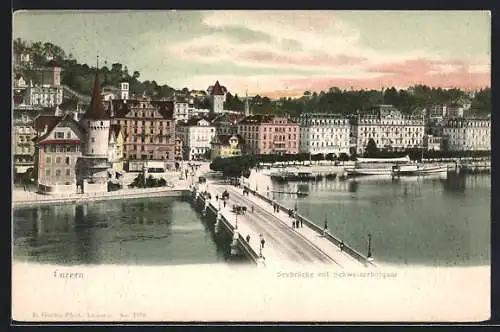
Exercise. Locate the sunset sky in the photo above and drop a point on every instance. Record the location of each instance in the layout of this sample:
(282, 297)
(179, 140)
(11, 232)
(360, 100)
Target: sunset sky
(277, 53)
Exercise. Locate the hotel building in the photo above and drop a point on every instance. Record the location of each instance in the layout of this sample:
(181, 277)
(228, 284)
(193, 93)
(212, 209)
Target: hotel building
(324, 133)
(267, 134)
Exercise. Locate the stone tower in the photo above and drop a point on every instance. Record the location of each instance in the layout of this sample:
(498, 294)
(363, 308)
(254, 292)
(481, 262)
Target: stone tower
(92, 167)
(217, 98)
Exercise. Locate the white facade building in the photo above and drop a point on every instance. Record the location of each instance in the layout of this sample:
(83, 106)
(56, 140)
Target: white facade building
(324, 133)
(124, 90)
(196, 135)
(44, 96)
(181, 109)
(461, 134)
(390, 130)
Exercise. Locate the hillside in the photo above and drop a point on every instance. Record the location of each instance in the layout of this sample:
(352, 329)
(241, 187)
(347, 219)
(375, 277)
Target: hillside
(79, 77)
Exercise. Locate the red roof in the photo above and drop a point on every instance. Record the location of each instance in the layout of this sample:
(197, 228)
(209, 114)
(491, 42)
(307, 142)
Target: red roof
(46, 120)
(60, 141)
(96, 110)
(217, 90)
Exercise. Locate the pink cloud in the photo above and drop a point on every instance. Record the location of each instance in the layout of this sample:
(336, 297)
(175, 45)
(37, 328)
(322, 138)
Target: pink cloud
(461, 79)
(300, 59)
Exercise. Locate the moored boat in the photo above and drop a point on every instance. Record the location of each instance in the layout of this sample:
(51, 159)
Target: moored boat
(392, 167)
(293, 176)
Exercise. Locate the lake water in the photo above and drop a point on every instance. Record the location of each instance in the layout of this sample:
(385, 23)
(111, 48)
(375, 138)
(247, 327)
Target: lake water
(440, 221)
(149, 231)
(427, 221)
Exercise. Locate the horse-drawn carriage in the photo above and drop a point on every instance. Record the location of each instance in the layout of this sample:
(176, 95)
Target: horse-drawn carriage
(239, 209)
(225, 195)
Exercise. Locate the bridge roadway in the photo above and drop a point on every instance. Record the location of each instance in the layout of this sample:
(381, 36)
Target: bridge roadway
(284, 244)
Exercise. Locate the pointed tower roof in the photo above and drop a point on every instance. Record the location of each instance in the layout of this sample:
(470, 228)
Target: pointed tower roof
(217, 90)
(96, 109)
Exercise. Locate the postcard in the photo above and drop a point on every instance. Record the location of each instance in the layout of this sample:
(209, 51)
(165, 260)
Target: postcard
(251, 166)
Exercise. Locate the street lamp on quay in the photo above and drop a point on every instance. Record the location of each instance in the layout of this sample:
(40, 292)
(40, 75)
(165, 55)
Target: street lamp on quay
(369, 256)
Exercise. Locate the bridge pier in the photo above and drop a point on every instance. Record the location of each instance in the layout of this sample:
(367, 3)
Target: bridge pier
(205, 207)
(234, 243)
(217, 222)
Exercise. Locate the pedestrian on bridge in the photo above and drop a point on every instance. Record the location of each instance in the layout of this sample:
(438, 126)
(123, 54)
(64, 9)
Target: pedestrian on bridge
(252, 208)
(301, 223)
(224, 203)
(342, 246)
(248, 238)
(293, 223)
(216, 197)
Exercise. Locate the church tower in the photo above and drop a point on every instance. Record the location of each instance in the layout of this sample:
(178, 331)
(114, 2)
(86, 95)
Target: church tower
(92, 167)
(218, 97)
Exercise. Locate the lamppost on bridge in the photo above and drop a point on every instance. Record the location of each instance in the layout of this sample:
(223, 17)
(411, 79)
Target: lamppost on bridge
(325, 227)
(369, 256)
(236, 221)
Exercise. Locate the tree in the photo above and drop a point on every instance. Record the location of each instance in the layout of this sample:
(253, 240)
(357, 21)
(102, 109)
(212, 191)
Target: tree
(371, 148)
(344, 157)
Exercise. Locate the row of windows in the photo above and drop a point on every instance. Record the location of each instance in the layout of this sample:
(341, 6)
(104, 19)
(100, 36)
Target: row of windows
(61, 148)
(461, 124)
(315, 130)
(326, 122)
(395, 122)
(455, 130)
(60, 134)
(276, 129)
(58, 160)
(323, 144)
(290, 136)
(24, 149)
(271, 144)
(26, 138)
(387, 135)
(325, 137)
(58, 172)
(393, 141)
(158, 140)
(143, 123)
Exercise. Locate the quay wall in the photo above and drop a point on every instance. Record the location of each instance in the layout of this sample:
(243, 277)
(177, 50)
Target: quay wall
(332, 238)
(113, 195)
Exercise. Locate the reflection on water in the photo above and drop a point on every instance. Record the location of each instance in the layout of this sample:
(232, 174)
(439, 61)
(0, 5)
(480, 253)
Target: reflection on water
(419, 220)
(138, 231)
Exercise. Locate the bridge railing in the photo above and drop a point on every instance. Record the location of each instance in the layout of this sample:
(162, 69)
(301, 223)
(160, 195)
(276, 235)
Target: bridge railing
(244, 244)
(347, 249)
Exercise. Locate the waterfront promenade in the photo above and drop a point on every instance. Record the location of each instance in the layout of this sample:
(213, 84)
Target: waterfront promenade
(23, 198)
(283, 244)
